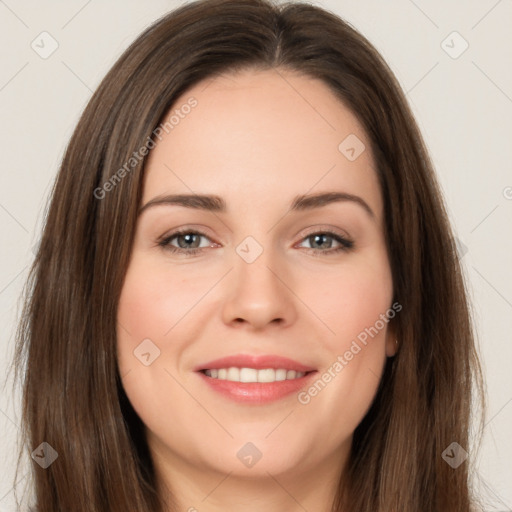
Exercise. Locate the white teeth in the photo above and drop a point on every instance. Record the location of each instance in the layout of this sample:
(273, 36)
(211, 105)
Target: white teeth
(267, 375)
(248, 375)
(234, 374)
(280, 374)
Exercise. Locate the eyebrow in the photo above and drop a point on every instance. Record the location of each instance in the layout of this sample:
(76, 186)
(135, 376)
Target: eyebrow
(215, 203)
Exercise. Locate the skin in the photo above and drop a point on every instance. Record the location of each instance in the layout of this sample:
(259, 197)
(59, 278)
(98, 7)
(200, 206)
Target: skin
(257, 142)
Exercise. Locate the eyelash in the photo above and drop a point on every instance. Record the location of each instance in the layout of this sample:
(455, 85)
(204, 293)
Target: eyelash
(345, 243)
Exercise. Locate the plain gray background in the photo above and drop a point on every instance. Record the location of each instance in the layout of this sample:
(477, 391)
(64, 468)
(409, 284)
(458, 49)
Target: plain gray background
(462, 101)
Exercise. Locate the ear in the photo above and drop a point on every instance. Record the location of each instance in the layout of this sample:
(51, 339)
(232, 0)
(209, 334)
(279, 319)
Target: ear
(391, 341)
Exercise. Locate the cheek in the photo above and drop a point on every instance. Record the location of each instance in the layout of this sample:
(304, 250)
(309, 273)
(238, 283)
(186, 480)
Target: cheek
(352, 305)
(355, 306)
(157, 315)
(148, 311)
(352, 302)
(154, 300)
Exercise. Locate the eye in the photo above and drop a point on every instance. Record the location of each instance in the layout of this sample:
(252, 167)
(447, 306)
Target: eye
(324, 241)
(188, 242)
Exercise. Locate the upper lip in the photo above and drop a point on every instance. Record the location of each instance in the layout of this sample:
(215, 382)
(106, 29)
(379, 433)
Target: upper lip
(255, 361)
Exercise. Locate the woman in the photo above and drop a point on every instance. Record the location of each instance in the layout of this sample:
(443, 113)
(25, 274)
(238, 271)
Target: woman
(185, 350)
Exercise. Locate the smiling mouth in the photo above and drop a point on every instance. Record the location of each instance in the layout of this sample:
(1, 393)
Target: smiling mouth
(248, 375)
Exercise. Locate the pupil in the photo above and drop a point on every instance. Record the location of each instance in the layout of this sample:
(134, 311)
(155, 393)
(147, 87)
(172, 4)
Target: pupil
(317, 237)
(187, 237)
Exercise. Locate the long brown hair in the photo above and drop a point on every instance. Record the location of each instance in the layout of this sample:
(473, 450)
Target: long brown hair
(66, 346)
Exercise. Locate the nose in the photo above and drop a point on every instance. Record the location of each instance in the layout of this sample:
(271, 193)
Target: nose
(260, 293)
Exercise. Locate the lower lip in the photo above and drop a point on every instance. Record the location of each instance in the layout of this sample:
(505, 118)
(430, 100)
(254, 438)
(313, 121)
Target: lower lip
(257, 392)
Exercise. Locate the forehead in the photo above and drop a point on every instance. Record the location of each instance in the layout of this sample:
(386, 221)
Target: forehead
(261, 136)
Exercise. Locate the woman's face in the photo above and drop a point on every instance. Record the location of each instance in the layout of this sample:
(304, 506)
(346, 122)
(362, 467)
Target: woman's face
(274, 273)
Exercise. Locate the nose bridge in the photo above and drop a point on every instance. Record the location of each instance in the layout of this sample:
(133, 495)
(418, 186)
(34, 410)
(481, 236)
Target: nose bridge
(258, 294)
(253, 266)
